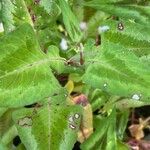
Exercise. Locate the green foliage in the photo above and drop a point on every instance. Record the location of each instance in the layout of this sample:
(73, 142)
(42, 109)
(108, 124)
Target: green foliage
(122, 9)
(46, 92)
(14, 13)
(27, 78)
(104, 133)
(41, 128)
(135, 32)
(70, 21)
(131, 76)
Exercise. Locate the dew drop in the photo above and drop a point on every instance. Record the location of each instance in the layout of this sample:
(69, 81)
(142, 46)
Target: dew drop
(72, 126)
(76, 116)
(120, 26)
(71, 119)
(105, 85)
(23, 18)
(136, 97)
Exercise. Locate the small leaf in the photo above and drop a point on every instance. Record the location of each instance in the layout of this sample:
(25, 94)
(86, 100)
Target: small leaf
(70, 21)
(57, 64)
(104, 136)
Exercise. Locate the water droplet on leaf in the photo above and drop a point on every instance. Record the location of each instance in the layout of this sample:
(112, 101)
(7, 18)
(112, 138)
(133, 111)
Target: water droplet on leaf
(120, 26)
(76, 116)
(136, 97)
(71, 119)
(72, 126)
(105, 85)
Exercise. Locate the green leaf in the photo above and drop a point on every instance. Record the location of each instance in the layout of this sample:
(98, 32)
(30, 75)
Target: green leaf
(3, 147)
(70, 21)
(50, 7)
(134, 36)
(98, 99)
(122, 120)
(104, 136)
(119, 72)
(23, 122)
(122, 146)
(48, 127)
(122, 9)
(6, 15)
(25, 76)
(53, 52)
(14, 13)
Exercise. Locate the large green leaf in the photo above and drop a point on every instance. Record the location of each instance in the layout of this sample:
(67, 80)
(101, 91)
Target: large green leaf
(122, 9)
(25, 76)
(119, 72)
(134, 36)
(48, 127)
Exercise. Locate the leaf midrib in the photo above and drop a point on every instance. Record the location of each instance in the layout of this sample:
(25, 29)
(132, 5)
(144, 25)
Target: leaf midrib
(32, 65)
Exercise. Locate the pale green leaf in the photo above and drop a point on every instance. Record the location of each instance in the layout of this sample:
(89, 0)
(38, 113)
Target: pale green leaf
(6, 13)
(14, 13)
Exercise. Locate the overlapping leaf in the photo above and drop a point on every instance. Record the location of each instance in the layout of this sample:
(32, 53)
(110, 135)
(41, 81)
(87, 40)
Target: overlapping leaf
(50, 7)
(104, 137)
(134, 36)
(48, 127)
(123, 9)
(119, 72)
(25, 76)
(14, 13)
(70, 21)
